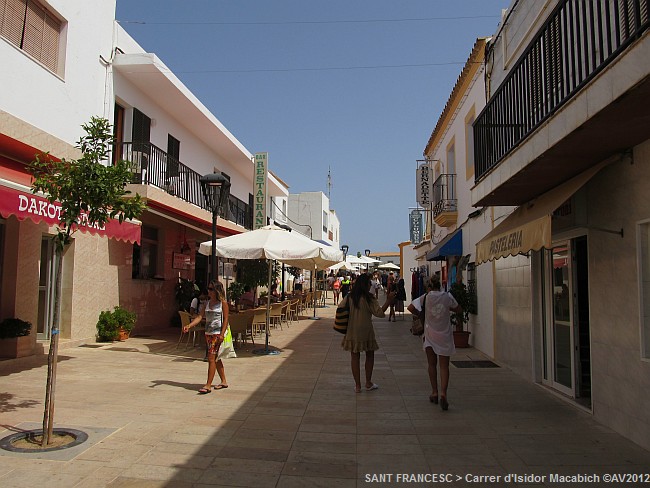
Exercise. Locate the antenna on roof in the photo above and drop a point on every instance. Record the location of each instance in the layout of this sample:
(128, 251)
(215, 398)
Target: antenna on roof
(329, 183)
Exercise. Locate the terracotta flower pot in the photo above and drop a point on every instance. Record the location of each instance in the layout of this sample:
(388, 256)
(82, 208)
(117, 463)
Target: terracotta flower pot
(123, 334)
(461, 338)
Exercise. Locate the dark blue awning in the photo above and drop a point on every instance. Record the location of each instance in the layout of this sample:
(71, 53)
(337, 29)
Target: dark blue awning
(451, 245)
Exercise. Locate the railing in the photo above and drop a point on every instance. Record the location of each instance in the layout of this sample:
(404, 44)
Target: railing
(444, 195)
(578, 40)
(153, 166)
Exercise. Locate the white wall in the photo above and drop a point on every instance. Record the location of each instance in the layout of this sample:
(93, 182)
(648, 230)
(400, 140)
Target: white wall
(307, 208)
(55, 105)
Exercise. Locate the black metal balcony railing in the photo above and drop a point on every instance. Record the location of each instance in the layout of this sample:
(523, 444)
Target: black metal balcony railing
(153, 166)
(577, 41)
(444, 195)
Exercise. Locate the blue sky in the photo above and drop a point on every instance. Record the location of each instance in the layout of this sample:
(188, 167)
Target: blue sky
(351, 86)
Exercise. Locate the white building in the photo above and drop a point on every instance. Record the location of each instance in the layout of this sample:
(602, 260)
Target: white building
(310, 213)
(86, 65)
(564, 137)
(453, 225)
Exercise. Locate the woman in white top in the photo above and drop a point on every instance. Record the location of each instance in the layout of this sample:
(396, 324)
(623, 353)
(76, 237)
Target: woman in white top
(438, 338)
(215, 311)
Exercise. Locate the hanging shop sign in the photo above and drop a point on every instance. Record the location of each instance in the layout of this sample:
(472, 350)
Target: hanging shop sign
(424, 184)
(415, 226)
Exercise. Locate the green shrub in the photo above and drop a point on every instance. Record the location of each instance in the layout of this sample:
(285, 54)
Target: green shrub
(109, 323)
(14, 328)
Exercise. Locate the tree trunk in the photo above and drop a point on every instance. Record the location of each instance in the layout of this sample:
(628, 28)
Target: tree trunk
(52, 357)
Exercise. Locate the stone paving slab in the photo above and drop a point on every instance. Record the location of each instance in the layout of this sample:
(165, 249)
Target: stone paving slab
(293, 420)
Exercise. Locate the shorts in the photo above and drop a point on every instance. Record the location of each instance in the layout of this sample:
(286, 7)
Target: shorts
(214, 342)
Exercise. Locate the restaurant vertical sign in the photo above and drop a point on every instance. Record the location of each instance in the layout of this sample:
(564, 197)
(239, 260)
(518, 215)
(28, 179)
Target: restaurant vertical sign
(259, 210)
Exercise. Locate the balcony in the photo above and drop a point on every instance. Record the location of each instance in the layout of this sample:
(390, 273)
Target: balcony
(445, 203)
(577, 95)
(153, 166)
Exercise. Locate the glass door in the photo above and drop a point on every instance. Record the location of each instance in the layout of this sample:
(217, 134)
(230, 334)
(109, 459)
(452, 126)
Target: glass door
(559, 319)
(46, 287)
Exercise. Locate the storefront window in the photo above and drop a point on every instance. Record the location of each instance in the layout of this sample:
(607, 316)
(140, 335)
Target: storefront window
(145, 255)
(643, 250)
(2, 252)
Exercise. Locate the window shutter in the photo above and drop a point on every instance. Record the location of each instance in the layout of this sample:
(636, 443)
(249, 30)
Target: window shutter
(12, 21)
(50, 52)
(33, 37)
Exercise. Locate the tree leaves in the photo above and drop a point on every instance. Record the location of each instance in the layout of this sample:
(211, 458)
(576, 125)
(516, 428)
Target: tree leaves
(88, 185)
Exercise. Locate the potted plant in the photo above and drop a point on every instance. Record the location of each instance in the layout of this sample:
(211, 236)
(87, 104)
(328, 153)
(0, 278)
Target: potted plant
(458, 319)
(15, 340)
(125, 320)
(235, 291)
(115, 325)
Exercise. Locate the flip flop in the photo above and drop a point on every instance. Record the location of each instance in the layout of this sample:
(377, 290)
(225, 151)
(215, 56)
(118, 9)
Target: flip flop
(204, 391)
(373, 387)
(220, 387)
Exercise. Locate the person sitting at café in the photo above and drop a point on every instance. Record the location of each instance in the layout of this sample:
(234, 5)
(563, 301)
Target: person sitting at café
(247, 300)
(198, 301)
(275, 294)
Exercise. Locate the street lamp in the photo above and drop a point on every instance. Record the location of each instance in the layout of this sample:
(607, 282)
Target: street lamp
(367, 253)
(216, 190)
(345, 249)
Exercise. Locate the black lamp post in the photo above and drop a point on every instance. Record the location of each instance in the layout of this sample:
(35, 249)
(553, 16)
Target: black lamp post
(345, 249)
(216, 190)
(367, 253)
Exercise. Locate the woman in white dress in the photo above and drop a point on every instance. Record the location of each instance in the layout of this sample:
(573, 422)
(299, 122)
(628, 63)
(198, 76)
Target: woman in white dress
(217, 335)
(438, 337)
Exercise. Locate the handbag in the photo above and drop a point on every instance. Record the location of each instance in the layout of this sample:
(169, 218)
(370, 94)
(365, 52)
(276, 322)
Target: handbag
(417, 329)
(342, 316)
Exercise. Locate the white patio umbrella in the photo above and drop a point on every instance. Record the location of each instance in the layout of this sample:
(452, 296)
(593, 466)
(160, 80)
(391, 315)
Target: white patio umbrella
(344, 265)
(388, 266)
(354, 260)
(274, 243)
(368, 259)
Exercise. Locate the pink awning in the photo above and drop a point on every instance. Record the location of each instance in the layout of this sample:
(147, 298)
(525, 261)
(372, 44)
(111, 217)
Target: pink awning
(25, 205)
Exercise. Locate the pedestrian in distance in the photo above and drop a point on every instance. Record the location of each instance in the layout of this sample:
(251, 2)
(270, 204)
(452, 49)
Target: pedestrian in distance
(391, 288)
(438, 337)
(376, 285)
(345, 286)
(360, 336)
(336, 288)
(217, 335)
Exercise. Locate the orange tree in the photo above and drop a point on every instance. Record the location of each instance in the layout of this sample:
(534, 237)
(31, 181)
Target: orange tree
(89, 188)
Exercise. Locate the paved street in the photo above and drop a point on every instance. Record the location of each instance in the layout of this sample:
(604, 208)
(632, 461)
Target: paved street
(293, 420)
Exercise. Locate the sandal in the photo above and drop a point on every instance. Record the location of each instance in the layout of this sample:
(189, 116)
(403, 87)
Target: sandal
(220, 387)
(204, 391)
(433, 399)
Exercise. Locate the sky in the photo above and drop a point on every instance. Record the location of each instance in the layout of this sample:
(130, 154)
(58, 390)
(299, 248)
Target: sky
(352, 88)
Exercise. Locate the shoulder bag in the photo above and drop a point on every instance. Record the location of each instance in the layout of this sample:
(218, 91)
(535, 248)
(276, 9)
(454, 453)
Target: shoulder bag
(342, 316)
(417, 329)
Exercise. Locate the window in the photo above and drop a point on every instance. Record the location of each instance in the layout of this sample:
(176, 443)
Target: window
(471, 287)
(145, 255)
(469, 144)
(325, 221)
(32, 28)
(643, 250)
(173, 156)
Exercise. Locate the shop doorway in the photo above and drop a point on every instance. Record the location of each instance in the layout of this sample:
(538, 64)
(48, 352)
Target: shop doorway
(567, 351)
(46, 288)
